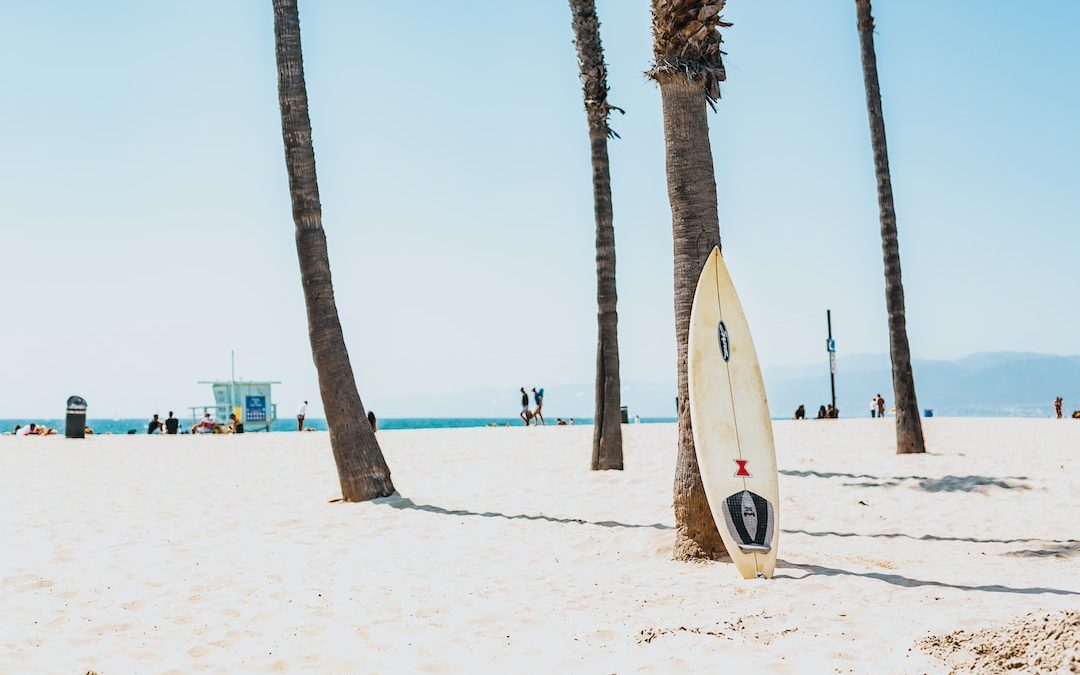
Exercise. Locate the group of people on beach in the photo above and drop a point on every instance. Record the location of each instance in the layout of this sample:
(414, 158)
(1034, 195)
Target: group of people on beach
(301, 415)
(170, 425)
(825, 412)
(877, 406)
(533, 415)
(32, 429)
(830, 412)
(207, 425)
(1059, 403)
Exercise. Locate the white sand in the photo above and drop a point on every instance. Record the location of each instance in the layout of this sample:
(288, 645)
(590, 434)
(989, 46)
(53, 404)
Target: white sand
(223, 554)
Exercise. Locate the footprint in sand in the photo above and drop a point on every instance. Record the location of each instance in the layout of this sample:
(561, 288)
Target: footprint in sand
(18, 579)
(37, 585)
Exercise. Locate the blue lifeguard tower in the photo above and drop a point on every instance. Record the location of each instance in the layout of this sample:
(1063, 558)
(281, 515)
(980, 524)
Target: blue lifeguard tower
(250, 400)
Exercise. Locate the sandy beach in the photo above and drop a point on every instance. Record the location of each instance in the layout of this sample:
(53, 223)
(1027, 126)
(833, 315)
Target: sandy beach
(137, 554)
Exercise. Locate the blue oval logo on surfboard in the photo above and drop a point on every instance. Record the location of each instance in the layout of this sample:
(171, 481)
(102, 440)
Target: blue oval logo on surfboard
(725, 346)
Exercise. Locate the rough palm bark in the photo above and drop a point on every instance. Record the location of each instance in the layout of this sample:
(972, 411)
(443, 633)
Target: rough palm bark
(362, 471)
(607, 428)
(689, 68)
(909, 434)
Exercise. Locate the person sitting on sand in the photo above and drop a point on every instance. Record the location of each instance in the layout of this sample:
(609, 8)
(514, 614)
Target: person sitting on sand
(800, 412)
(822, 413)
(29, 430)
(87, 431)
(560, 422)
(155, 426)
(172, 425)
(204, 426)
(235, 425)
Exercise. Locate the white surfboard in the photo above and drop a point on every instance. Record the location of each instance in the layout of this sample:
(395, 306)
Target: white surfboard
(730, 420)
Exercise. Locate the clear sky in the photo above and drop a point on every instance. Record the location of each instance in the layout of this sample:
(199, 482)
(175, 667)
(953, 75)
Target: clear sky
(147, 231)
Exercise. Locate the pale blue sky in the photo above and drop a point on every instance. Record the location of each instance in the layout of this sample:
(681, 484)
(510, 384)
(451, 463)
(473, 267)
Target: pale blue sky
(147, 229)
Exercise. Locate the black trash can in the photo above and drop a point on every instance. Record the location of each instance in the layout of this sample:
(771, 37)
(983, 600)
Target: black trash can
(75, 424)
(624, 414)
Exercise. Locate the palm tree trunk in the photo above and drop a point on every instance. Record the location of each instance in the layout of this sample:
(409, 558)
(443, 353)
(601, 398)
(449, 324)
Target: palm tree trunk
(689, 69)
(909, 434)
(696, 229)
(607, 427)
(362, 471)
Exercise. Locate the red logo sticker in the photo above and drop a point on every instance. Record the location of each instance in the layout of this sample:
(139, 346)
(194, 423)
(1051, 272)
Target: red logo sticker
(742, 468)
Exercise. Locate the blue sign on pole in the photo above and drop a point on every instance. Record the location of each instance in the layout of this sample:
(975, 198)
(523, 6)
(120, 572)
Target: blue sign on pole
(830, 345)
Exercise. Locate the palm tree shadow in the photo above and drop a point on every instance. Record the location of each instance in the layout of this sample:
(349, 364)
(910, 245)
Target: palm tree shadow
(944, 484)
(398, 502)
(907, 582)
(927, 537)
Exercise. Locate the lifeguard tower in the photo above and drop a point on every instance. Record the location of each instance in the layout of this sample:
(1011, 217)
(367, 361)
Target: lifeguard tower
(250, 400)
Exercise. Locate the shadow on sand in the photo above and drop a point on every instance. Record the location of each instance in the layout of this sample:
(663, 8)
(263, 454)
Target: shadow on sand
(1066, 549)
(928, 537)
(906, 582)
(945, 484)
(399, 502)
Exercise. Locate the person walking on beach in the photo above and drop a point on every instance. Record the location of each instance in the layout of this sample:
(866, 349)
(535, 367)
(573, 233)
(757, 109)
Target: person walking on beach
(172, 425)
(526, 414)
(873, 407)
(1057, 406)
(538, 397)
(880, 406)
(155, 426)
(300, 415)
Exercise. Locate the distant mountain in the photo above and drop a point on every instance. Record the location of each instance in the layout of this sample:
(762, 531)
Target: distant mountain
(1008, 384)
(988, 384)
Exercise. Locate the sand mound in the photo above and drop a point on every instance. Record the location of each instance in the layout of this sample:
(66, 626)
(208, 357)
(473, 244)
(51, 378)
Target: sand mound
(1048, 643)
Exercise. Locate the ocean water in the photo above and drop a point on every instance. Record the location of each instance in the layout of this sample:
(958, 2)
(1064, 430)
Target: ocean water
(138, 426)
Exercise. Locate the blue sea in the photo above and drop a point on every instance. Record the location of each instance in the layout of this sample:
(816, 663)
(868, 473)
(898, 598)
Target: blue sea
(138, 426)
